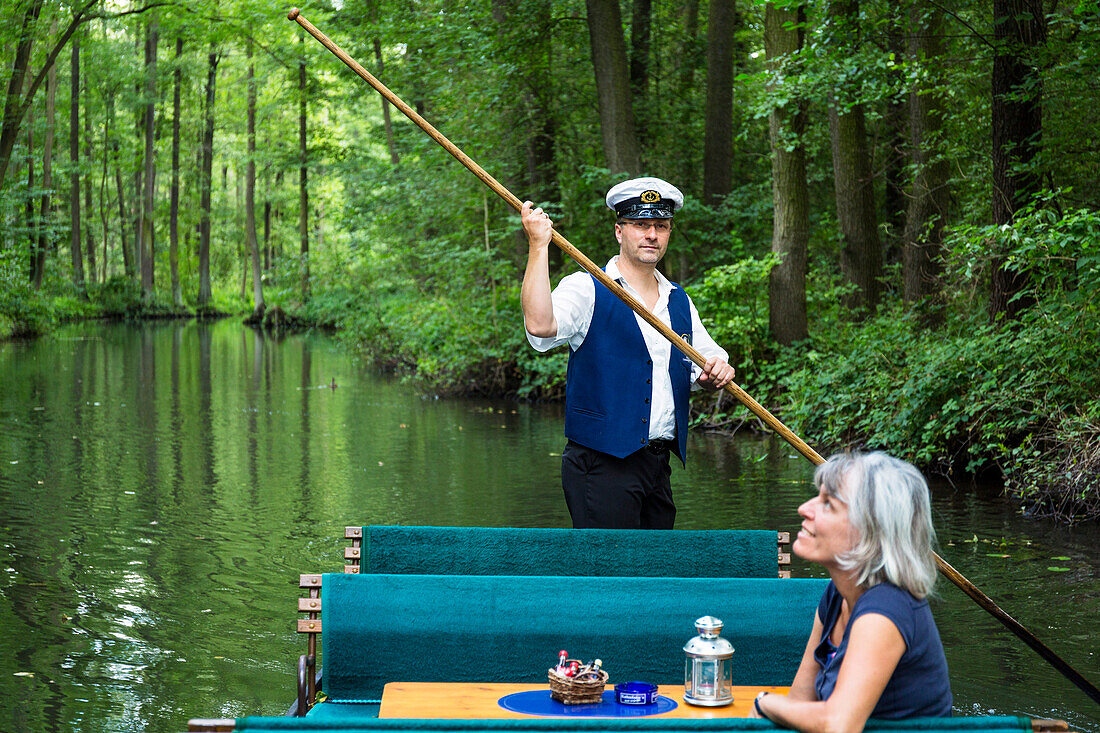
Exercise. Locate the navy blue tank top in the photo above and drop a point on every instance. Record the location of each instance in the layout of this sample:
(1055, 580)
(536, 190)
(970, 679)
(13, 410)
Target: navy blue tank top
(919, 686)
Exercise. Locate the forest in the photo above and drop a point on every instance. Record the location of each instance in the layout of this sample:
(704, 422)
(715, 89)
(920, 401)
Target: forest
(892, 218)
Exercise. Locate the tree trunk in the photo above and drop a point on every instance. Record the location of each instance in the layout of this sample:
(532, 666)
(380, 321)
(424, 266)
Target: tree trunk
(127, 253)
(151, 37)
(640, 21)
(605, 31)
(13, 101)
(258, 305)
(89, 237)
(1019, 29)
(718, 131)
(277, 215)
(894, 164)
(930, 196)
(74, 176)
(47, 180)
(861, 256)
(266, 177)
(783, 39)
(16, 106)
(386, 122)
(139, 166)
(174, 191)
(303, 181)
(33, 266)
(206, 178)
(686, 152)
(104, 216)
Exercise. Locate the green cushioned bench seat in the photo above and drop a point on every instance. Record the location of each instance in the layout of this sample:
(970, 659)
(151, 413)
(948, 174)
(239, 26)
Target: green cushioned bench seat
(613, 552)
(469, 628)
(986, 724)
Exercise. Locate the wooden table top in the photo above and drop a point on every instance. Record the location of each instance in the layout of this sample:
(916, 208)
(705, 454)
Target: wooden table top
(473, 700)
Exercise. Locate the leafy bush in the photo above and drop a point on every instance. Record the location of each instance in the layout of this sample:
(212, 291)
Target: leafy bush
(23, 310)
(733, 303)
(119, 296)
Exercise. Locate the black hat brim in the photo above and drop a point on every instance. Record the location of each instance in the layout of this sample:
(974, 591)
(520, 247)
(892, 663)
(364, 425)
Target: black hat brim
(637, 210)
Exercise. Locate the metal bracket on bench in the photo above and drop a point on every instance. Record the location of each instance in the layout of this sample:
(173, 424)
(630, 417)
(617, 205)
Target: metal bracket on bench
(353, 553)
(784, 556)
(307, 681)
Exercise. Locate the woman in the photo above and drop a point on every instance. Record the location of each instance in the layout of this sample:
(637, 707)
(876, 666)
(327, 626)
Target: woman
(874, 650)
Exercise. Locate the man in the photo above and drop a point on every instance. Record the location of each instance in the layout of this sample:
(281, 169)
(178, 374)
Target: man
(626, 394)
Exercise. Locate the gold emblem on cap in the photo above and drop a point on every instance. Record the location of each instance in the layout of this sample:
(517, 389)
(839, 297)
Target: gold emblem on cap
(650, 197)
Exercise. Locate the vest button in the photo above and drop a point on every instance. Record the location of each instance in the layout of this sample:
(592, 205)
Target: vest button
(643, 441)
(649, 381)
(645, 419)
(647, 400)
(649, 362)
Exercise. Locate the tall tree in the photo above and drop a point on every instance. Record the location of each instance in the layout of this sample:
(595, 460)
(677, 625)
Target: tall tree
(206, 170)
(687, 57)
(783, 40)
(640, 23)
(605, 32)
(258, 306)
(33, 265)
(853, 183)
(387, 123)
(1019, 29)
(74, 177)
(20, 95)
(718, 132)
(116, 155)
(89, 237)
(303, 174)
(152, 34)
(929, 198)
(894, 165)
(45, 226)
(174, 188)
(138, 161)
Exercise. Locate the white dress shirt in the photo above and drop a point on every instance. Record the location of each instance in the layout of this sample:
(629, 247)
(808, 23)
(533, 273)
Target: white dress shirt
(574, 300)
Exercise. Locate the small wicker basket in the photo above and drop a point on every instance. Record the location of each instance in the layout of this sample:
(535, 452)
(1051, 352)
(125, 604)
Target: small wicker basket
(572, 692)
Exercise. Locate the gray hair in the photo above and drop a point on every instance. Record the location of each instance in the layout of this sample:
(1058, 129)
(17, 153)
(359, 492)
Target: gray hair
(890, 510)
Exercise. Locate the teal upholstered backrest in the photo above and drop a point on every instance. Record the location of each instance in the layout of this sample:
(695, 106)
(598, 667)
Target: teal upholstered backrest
(988, 724)
(515, 551)
(467, 628)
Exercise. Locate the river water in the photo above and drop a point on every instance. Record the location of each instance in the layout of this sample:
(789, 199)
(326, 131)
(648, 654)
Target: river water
(162, 486)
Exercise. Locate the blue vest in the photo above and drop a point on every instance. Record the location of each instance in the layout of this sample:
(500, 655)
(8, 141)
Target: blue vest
(609, 382)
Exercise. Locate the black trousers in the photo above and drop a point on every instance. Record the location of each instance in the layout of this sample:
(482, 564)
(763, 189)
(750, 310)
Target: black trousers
(605, 492)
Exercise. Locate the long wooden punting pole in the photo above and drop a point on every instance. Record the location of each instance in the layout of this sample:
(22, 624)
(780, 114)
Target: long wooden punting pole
(732, 388)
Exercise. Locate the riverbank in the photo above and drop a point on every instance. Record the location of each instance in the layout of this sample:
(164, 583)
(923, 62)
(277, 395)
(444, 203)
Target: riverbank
(1016, 403)
(1019, 404)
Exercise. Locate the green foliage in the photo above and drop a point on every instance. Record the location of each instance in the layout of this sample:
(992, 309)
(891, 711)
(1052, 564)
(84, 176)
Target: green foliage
(1059, 253)
(23, 312)
(733, 302)
(120, 296)
(971, 396)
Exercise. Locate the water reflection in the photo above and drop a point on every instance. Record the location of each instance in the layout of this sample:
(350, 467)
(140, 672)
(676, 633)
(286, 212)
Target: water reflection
(161, 487)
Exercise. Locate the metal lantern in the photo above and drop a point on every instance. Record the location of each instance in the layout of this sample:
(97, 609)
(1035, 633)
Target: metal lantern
(708, 667)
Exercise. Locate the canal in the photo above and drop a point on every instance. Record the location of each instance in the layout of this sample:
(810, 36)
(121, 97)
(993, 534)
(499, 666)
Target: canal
(163, 485)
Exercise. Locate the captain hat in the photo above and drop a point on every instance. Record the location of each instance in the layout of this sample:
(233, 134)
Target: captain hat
(644, 198)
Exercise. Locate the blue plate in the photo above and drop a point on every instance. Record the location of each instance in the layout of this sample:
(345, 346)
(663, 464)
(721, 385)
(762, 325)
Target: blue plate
(539, 702)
